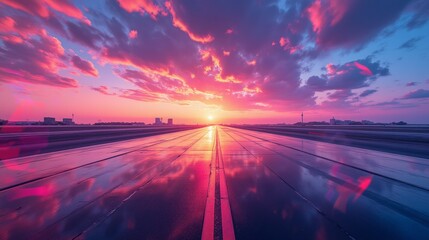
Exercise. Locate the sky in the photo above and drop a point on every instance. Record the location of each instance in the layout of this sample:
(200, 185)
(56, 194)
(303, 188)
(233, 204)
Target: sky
(215, 61)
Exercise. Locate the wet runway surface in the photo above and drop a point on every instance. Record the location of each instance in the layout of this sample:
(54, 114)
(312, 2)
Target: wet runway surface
(215, 183)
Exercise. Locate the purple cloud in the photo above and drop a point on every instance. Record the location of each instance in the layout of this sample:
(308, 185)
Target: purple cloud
(84, 34)
(351, 23)
(36, 60)
(420, 10)
(84, 66)
(411, 43)
(351, 75)
(420, 93)
(367, 92)
(103, 90)
(249, 58)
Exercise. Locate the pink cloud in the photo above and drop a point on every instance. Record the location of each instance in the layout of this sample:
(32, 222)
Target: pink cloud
(68, 9)
(35, 60)
(351, 75)
(133, 34)
(364, 70)
(7, 24)
(177, 22)
(84, 66)
(18, 27)
(142, 6)
(284, 41)
(42, 8)
(286, 44)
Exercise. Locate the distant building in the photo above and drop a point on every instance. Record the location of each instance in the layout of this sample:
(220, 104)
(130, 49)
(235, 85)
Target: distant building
(49, 121)
(347, 122)
(332, 121)
(68, 121)
(170, 121)
(158, 121)
(367, 122)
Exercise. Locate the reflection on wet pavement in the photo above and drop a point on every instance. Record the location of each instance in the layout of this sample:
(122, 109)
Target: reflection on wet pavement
(213, 183)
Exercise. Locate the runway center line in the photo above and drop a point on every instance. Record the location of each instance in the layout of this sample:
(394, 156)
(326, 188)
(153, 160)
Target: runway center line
(218, 222)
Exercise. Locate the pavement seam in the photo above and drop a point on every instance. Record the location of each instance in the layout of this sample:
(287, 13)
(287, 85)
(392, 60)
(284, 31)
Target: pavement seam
(83, 165)
(404, 210)
(111, 212)
(347, 165)
(313, 205)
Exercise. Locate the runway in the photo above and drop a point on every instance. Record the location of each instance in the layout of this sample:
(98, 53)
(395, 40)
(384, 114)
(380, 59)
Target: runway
(215, 182)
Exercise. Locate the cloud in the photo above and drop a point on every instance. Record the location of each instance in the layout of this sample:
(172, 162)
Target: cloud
(103, 89)
(420, 93)
(351, 75)
(42, 8)
(140, 95)
(341, 94)
(84, 34)
(249, 57)
(367, 92)
(338, 23)
(420, 10)
(132, 34)
(410, 44)
(177, 22)
(18, 27)
(84, 66)
(238, 69)
(34, 60)
(142, 6)
(410, 84)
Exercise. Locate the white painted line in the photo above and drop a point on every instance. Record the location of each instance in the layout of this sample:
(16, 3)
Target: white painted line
(209, 213)
(227, 223)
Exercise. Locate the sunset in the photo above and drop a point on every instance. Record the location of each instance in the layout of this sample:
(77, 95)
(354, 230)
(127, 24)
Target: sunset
(248, 61)
(214, 119)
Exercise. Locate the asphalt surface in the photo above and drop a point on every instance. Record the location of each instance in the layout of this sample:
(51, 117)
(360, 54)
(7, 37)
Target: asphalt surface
(19, 141)
(410, 140)
(215, 183)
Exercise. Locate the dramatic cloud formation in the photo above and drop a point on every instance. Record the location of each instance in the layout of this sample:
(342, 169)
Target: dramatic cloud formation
(42, 8)
(350, 23)
(233, 55)
(352, 75)
(34, 60)
(142, 6)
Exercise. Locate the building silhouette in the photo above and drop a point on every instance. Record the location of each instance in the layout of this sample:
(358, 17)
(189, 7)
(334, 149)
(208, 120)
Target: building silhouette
(49, 121)
(170, 121)
(68, 121)
(158, 121)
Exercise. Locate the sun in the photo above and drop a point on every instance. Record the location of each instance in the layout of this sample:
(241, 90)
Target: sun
(210, 117)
